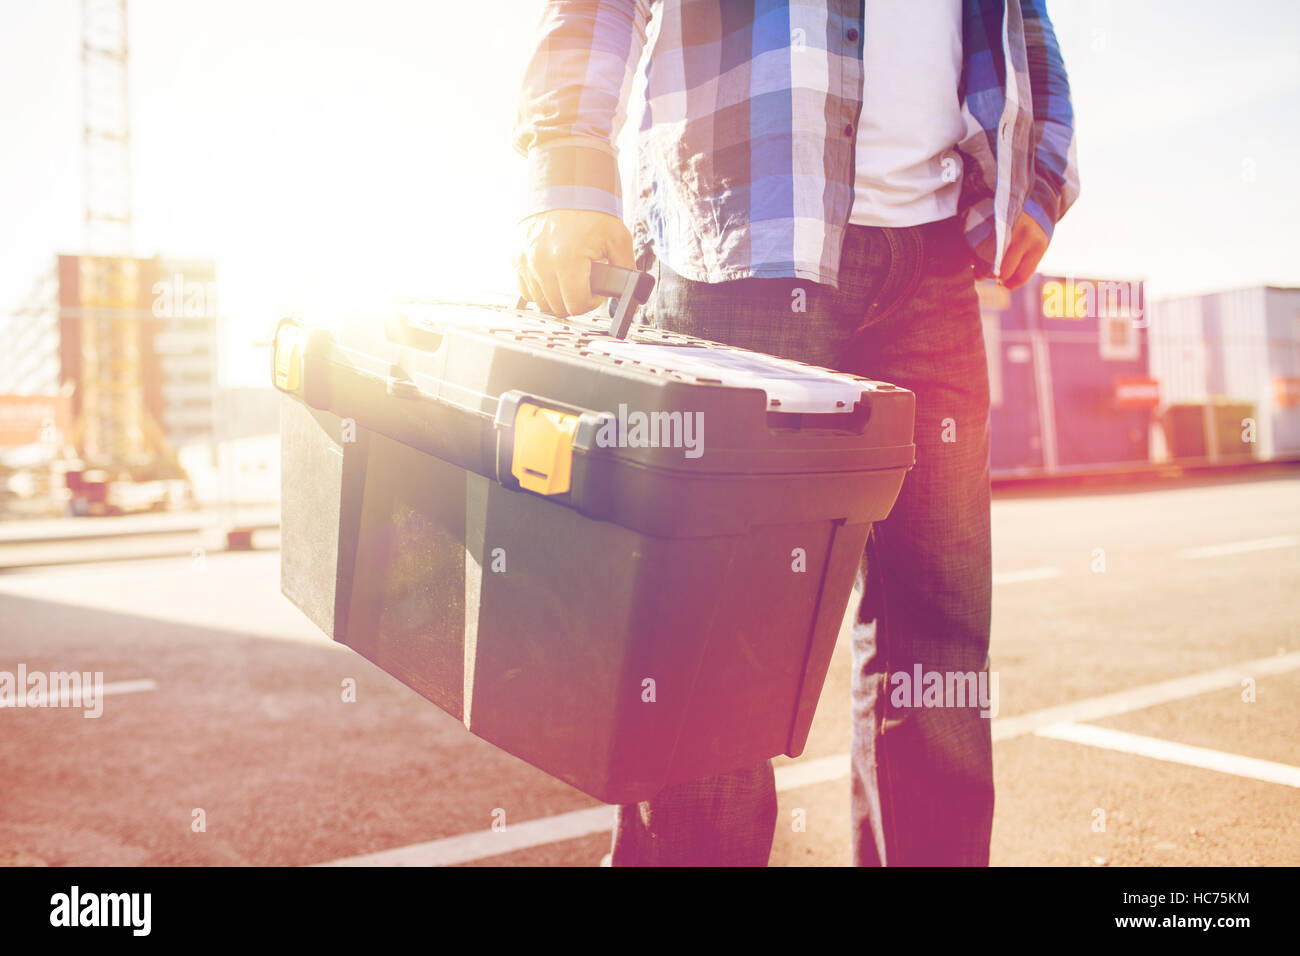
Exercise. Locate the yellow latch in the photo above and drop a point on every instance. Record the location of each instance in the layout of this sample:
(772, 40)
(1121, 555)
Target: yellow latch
(543, 456)
(288, 357)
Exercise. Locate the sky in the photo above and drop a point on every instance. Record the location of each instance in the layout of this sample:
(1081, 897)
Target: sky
(333, 156)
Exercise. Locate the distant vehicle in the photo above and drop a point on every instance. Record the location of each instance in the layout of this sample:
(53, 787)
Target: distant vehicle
(94, 492)
(87, 491)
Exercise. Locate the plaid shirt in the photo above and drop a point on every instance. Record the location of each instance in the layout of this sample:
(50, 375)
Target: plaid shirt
(746, 143)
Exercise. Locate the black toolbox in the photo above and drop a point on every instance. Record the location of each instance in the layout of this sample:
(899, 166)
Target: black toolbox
(624, 561)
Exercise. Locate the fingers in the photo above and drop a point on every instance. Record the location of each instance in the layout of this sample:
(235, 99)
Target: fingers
(617, 247)
(574, 279)
(1026, 261)
(559, 288)
(1011, 261)
(528, 288)
(612, 243)
(1022, 273)
(545, 295)
(1024, 252)
(553, 265)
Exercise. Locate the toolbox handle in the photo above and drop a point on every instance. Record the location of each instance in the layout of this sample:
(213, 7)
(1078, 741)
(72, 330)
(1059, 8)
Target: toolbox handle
(626, 288)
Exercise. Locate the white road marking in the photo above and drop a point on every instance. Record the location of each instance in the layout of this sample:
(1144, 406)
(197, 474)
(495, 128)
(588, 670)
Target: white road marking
(480, 844)
(483, 843)
(21, 580)
(129, 686)
(110, 689)
(1239, 547)
(1029, 574)
(1139, 698)
(1171, 752)
(805, 773)
(563, 826)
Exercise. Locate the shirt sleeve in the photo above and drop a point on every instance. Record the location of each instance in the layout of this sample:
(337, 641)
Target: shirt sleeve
(574, 101)
(1056, 174)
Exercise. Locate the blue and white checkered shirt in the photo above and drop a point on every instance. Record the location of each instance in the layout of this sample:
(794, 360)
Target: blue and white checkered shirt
(746, 144)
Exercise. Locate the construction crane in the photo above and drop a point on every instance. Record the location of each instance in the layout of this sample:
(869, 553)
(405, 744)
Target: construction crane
(91, 334)
(112, 399)
(115, 434)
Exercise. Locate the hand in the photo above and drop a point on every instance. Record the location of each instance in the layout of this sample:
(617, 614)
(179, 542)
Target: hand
(1028, 243)
(555, 251)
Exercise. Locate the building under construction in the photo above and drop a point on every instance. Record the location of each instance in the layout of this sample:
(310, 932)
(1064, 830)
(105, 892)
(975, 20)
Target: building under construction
(132, 345)
(111, 362)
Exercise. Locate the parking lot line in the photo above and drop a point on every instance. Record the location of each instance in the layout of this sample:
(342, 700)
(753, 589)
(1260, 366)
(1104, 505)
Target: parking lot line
(1239, 547)
(1148, 695)
(480, 844)
(1029, 574)
(108, 690)
(1172, 752)
(806, 773)
(484, 843)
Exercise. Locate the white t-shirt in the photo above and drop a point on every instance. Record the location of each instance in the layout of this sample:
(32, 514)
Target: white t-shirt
(906, 170)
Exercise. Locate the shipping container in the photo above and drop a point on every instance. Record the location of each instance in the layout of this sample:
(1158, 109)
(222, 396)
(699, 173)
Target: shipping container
(1017, 446)
(1069, 384)
(1235, 356)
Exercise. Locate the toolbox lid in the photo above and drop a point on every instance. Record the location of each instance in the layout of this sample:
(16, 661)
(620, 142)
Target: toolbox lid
(615, 429)
(789, 386)
(473, 315)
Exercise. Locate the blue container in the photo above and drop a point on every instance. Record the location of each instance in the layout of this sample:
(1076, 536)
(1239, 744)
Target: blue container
(1068, 375)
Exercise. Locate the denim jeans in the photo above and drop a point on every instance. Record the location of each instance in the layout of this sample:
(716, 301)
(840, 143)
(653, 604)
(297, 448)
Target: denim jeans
(922, 776)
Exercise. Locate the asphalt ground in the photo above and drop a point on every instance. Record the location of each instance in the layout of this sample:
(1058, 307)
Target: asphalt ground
(1146, 639)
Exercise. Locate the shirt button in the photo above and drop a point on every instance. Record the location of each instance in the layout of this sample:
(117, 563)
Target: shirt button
(853, 36)
(848, 129)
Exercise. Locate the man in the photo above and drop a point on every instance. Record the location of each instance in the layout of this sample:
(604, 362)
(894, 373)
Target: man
(824, 181)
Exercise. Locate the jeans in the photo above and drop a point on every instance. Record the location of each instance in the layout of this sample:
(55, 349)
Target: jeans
(922, 776)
